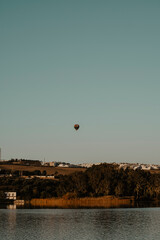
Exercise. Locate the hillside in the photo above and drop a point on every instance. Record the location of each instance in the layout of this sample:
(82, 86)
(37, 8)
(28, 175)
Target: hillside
(97, 181)
(42, 169)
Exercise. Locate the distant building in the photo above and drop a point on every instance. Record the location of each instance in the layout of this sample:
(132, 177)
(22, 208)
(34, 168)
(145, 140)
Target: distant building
(51, 164)
(63, 165)
(11, 195)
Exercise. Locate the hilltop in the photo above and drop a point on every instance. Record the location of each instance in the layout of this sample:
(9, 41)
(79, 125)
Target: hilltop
(23, 167)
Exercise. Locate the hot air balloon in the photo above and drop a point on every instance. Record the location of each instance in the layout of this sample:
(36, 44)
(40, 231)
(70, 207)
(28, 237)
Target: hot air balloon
(76, 127)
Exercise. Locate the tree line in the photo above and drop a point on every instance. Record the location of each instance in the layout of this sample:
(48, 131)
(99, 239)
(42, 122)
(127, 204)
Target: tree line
(101, 180)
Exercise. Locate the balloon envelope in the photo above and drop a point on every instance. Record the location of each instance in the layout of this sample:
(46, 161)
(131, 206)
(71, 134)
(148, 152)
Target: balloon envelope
(76, 127)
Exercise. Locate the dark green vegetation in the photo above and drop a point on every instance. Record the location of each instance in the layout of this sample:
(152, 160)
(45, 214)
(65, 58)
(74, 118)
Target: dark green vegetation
(101, 180)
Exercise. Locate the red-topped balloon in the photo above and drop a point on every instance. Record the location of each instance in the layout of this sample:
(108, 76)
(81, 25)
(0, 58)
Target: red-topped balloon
(76, 127)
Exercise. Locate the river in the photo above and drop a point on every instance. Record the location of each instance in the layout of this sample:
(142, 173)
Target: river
(80, 224)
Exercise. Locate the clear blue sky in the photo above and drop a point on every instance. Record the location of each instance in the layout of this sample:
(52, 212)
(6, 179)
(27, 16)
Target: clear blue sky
(96, 63)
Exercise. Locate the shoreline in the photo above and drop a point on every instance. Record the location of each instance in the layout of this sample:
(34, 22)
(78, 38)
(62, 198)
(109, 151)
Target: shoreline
(87, 202)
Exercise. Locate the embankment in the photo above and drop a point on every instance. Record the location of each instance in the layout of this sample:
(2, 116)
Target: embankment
(101, 202)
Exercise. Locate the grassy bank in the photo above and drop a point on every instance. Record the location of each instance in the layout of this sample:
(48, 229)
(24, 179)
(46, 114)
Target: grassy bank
(104, 202)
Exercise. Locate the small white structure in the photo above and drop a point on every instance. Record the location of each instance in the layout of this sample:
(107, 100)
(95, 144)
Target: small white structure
(11, 195)
(63, 165)
(52, 164)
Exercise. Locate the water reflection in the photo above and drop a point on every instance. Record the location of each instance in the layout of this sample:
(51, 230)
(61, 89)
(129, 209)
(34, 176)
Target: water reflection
(11, 206)
(80, 224)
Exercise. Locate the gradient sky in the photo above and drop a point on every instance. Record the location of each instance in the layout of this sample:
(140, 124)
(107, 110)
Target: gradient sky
(96, 63)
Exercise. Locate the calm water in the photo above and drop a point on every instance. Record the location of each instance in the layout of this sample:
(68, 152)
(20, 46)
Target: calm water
(80, 224)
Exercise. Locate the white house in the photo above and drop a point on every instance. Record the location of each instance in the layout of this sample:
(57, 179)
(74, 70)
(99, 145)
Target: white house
(11, 195)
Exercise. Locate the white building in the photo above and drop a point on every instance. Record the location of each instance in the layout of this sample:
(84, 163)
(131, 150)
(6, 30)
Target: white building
(11, 195)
